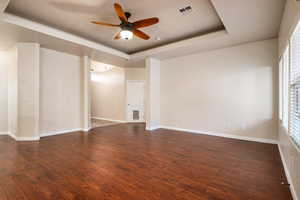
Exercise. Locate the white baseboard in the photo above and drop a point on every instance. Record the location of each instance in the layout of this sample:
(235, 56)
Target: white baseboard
(113, 120)
(4, 133)
(51, 133)
(262, 140)
(288, 175)
(86, 129)
(25, 139)
(152, 128)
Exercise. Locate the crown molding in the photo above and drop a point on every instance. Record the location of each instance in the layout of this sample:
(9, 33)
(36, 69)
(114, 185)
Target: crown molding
(54, 32)
(179, 44)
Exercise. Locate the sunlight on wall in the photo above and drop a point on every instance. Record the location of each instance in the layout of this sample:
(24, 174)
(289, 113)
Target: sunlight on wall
(4, 58)
(98, 71)
(108, 94)
(97, 77)
(100, 67)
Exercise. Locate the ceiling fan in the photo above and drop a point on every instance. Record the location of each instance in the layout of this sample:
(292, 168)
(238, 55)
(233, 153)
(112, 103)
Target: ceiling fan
(129, 29)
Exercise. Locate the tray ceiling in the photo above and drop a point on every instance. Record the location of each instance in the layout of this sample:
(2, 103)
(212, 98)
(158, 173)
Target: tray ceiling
(74, 16)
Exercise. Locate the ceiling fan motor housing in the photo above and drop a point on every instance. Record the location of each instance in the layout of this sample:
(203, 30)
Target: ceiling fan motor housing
(128, 15)
(127, 26)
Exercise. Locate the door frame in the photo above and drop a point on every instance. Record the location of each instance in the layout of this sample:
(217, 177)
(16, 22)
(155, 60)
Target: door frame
(126, 105)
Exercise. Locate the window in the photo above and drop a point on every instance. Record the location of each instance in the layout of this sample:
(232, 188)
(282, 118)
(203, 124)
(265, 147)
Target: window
(289, 87)
(280, 88)
(297, 104)
(294, 127)
(285, 87)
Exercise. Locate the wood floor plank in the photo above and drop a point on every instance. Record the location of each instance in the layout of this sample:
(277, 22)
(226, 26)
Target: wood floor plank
(125, 162)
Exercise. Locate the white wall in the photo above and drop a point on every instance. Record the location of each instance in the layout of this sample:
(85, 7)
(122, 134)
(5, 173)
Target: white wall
(60, 91)
(108, 94)
(291, 154)
(229, 91)
(4, 65)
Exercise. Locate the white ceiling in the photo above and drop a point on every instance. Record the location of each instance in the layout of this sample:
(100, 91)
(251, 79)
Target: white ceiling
(245, 21)
(74, 16)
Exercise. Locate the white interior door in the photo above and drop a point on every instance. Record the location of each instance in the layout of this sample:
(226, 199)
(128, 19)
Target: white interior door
(135, 101)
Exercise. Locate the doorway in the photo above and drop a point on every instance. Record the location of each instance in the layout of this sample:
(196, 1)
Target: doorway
(107, 85)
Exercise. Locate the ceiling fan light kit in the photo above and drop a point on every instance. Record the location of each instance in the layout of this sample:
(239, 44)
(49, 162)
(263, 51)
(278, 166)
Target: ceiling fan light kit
(126, 35)
(129, 29)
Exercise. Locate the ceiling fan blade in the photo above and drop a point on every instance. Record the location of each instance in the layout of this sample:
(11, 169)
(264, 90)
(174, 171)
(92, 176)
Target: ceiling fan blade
(120, 12)
(118, 36)
(105, 24)
(145, 22)
(140, 34)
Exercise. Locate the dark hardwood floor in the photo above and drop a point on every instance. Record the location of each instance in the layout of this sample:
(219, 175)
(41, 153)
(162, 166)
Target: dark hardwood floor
(125, 162)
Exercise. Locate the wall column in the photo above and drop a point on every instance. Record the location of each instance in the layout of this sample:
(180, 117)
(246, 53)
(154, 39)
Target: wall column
(86, 122)
(152, 94)
(24, 93)
(3, 5)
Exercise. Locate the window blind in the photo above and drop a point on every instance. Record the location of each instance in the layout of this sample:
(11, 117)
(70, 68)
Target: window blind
(286, 70)
(280, 87)
(294, 121)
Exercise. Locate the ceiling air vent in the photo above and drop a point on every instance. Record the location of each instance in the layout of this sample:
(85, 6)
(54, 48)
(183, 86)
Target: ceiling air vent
(185, 10)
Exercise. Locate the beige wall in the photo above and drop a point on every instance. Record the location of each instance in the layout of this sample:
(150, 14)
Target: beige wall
(229, 91)
(4, 59)
(108, 95)
(291, 155)
(60, 91)
(135, 73)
